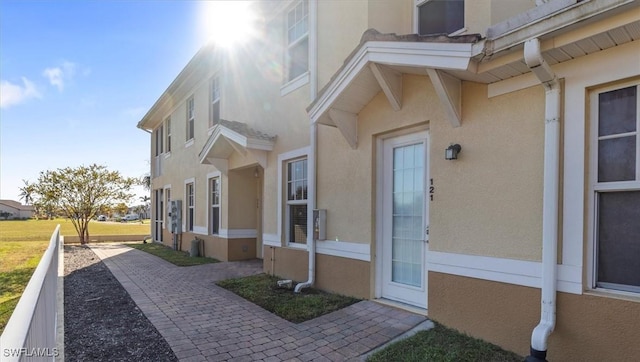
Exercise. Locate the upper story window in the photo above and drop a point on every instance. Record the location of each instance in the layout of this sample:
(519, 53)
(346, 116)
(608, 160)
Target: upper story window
(214, 100)
(615, 165)
(439, 16)
(190, 118)
(297, 40)
(167, 126)
(159, 140)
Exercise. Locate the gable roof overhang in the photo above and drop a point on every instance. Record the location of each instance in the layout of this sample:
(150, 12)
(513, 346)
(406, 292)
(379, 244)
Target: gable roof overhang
(568, 29)
(228, 137)
(378, 63)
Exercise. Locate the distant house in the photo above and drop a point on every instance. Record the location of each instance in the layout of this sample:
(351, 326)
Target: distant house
(16, 210)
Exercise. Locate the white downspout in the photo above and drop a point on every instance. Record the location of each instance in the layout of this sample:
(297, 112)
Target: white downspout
(542, 70)
(313, 140)
(311, 202)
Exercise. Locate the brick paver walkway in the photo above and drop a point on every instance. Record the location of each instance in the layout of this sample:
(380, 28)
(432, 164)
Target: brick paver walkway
(202, 321)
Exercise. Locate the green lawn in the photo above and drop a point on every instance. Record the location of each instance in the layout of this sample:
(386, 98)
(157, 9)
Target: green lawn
(262, 290)
(179, 258)
(30, 230)
(22, 244)
(443, 344)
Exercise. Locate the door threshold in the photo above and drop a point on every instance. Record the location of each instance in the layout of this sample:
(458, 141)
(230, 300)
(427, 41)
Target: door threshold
(403, 306)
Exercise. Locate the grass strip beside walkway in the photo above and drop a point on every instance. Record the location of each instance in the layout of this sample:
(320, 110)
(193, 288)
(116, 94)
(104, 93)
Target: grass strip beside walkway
(179, 258)
(443, 344)
(262, 290)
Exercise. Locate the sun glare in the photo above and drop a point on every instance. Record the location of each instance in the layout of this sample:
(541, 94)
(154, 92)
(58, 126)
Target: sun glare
(228, 22)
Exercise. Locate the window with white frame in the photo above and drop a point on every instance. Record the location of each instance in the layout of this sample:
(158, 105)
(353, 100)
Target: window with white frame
(214, 216)
(190, 118)
(159, 140)
(167, 126)
(296, 210)
(297, 57)
(190, 205)
(616, 187)
(214, 100)
(439, 16)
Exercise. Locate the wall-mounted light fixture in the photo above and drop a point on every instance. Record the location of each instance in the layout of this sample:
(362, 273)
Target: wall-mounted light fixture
(451, 153)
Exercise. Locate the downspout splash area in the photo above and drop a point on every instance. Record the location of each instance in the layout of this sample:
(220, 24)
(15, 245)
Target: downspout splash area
(540, 335)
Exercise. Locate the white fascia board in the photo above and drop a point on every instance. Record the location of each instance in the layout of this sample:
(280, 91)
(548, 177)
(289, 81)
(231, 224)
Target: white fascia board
(555, 21)
(258, 144)
(233, 136)
(511, 271)
(412, 54)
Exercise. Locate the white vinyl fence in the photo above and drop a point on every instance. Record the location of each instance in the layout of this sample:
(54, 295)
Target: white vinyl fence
(30, 334)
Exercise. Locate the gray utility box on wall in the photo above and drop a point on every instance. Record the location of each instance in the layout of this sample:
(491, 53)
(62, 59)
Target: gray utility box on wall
(175, 215)
(320, 224)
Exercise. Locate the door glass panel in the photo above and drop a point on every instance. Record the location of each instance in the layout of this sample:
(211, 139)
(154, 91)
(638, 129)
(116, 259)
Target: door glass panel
(408, 220)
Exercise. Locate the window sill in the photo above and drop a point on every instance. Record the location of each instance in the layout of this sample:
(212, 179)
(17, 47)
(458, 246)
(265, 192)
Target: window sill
(167, 155)
(615, 294)
(297, 246)
(189, 143)
(295, 84)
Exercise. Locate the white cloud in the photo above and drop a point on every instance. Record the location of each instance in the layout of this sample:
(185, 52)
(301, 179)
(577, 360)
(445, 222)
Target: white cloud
(59, 75)
(12, 94)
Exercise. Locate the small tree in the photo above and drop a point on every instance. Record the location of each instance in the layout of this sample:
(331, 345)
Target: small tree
(80, 193)
(121, 209)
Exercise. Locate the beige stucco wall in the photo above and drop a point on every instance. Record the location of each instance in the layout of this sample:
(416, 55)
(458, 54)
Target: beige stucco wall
(391, 16)
(489, 201)
(588, 327)
(243, 193)
(497, 178)
(481, 14)
(335, 274)
(343, 22)
(351, 212)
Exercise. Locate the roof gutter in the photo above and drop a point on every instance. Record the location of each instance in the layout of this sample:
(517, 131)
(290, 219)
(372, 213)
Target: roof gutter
(545, 19)
(550, 198)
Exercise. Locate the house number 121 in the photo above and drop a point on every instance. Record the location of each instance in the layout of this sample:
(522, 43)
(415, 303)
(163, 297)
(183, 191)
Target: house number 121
(431, 189)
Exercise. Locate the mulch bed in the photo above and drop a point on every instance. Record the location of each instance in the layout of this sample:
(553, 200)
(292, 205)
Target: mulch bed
(101, 321)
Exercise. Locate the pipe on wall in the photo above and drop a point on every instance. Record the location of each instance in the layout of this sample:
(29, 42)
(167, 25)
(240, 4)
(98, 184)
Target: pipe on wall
(551, 180)
(311, 205)
(313, 139)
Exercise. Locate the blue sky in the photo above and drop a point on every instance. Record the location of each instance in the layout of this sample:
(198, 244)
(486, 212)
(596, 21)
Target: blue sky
(77, 76)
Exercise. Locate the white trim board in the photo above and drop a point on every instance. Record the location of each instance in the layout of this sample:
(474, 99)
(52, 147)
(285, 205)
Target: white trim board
(237, 233)
(511, 271)
(200, 230)
(271, 240)
(344, 249)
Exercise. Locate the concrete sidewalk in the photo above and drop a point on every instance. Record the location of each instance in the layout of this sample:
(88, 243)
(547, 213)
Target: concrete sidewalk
(203, 322)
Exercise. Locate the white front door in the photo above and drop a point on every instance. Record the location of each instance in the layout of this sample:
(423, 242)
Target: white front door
(405, 215)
